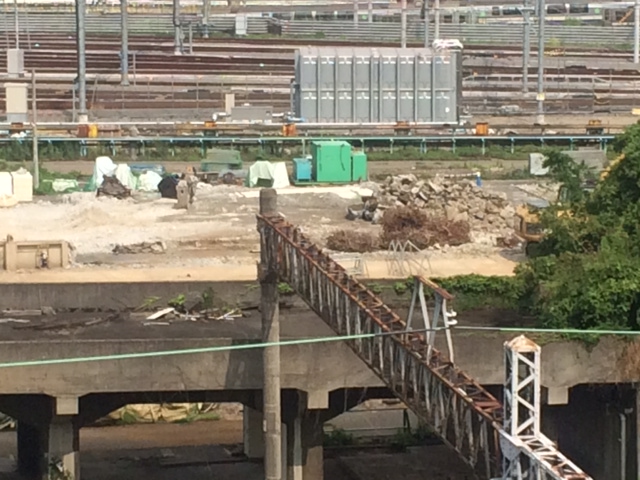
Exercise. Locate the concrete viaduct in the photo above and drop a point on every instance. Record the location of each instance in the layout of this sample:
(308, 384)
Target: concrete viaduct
(591, 405)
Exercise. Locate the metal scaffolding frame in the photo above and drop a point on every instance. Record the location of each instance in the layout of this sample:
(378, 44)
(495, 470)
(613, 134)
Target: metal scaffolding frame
(537, 457)
(460, 411)
(439, 311)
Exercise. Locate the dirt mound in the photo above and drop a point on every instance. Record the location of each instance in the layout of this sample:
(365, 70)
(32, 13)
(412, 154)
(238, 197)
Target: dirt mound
(422, 229)
(352, 241)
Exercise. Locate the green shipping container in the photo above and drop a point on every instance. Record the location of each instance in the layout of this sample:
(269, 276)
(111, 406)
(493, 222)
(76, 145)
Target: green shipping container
(359, 167)
(331, 161)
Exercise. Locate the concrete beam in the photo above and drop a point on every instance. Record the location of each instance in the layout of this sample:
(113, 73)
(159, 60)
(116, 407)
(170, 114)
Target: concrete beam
(231, 370)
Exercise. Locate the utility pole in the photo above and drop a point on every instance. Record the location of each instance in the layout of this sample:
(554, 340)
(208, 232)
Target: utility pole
(124, 31)
(34, 130)
(636, 32)
(370, 11)
(205, 17)
(540, 96)
(355, 13)
(268, 275)
(436, 32)
(177, 49)
(403, 24)
(82, 61)
(425, 15)
(17, 23)
(526, 44)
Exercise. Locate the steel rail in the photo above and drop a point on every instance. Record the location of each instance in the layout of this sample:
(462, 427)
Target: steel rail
(462, 413)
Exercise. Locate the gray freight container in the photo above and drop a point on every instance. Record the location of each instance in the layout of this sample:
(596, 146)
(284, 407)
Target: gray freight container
(377, 85)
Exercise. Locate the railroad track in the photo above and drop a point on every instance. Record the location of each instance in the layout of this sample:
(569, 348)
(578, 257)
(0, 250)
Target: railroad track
(287, 45)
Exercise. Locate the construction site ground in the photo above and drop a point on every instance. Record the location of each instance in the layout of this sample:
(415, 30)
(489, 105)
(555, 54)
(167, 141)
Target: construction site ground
(217, 238)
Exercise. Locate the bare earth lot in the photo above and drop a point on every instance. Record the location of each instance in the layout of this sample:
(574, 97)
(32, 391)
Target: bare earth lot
(217, 238)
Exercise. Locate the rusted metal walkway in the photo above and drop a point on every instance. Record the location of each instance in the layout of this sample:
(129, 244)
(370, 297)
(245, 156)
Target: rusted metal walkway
(467, 417)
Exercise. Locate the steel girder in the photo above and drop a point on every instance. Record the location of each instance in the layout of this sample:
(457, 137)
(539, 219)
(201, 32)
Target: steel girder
(460, 411)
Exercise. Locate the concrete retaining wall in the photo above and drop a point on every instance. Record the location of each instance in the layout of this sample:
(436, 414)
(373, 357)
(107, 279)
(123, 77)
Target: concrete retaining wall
(94, 295)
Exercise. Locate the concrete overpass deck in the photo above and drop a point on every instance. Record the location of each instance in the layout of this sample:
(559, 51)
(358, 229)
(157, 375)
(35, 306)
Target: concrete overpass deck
(322, 379)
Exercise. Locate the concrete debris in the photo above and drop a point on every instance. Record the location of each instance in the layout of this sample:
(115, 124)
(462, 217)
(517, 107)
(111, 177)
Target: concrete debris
(143, 247)
(14, 320)
(161, 313)
(457, 201)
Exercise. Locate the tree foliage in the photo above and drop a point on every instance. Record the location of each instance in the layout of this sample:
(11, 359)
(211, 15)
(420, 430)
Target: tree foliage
(587, 272)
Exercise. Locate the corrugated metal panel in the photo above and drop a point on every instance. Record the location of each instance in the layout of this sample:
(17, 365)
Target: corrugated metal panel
(377, 85)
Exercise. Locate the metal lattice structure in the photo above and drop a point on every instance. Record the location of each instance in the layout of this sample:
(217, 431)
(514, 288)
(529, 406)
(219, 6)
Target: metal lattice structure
(465, 416)
(537, 457)
(405, 255)
(431, 323)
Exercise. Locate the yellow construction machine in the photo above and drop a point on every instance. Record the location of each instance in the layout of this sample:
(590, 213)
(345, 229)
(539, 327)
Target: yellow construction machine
(528, 226)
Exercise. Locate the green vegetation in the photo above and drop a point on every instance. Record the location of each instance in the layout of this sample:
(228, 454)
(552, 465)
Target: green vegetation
(285, 289)
(21, 151)
(338, 438)
(586, 271)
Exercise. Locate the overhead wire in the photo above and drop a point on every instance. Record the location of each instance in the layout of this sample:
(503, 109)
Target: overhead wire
(301, 341)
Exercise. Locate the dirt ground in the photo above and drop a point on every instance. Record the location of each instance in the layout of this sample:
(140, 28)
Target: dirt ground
(217, 237)
(209, 450)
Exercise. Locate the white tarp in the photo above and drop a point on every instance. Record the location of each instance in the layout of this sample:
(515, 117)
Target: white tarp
(103, 166)
(263, 170)
(125, 176)
(148, 181)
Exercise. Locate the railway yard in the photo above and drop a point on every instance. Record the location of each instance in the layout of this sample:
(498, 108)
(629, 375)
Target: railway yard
(440, 139)
(578, 80)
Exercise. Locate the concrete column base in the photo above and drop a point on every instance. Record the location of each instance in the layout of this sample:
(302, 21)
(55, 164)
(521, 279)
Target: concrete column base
(64, 448)
(305, 455)
(252, 433)
(31, 448)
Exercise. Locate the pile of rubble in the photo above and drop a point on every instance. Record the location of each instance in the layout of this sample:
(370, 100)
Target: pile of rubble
(458, 201)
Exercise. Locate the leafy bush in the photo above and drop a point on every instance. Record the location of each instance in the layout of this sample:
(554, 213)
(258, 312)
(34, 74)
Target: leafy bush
(587, 273)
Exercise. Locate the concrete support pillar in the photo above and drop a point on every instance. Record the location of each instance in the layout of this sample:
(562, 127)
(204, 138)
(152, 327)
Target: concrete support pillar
(304, 447)
(252, 434)
(31, 448)
(64, 446)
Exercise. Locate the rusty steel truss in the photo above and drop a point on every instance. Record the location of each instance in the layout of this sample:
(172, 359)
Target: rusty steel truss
(465, 416)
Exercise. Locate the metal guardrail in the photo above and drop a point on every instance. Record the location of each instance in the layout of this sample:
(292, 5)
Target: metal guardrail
(507, 34)
(390, 142)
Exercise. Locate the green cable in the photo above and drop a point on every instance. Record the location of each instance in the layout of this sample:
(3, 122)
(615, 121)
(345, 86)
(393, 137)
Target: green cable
(188, 351)
(300, 341)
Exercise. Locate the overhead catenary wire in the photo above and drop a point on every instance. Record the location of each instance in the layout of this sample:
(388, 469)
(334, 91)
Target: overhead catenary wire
(303, 341)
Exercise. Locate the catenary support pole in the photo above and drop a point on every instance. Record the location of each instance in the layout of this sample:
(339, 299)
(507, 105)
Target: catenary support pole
(355, 13)
(541, 22)
(636, 34)
(124, 31)
(177, 47)
(205, 17)
(526, 45)
(370, 11)
(436, 27)
(270, 334)
(17, 22)
(34, 132)
(403, 24)
(81, 7)
(425, 14)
